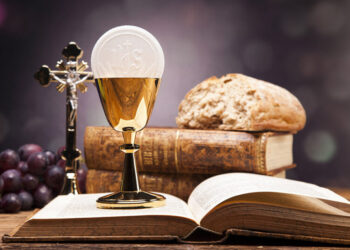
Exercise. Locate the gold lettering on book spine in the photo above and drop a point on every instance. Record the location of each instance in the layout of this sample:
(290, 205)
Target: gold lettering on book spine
(147, 158)
(156, 151)
(155, 157)
(165, 152)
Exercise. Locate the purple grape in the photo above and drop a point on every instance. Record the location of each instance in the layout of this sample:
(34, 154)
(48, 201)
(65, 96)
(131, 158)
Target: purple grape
(54, 177)
(11, 203)
(81, 178)
(42, 195)
(30, 182)
(23, 167)
(26, 200)
(51, 157)
(12, 180)
(26, 150)
(61, 163)
(9, 159)
(37, 163)
(1, 185)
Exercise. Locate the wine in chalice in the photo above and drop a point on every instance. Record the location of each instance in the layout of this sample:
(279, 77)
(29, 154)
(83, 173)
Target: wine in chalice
(127, 102)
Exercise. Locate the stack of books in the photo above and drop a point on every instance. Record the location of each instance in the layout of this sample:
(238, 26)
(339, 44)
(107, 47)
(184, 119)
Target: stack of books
(175, 161)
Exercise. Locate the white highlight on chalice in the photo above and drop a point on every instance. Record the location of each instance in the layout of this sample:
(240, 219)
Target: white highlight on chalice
(129, 52)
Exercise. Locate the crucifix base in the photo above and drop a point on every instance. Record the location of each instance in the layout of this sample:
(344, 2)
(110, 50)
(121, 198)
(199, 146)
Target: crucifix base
(70, 184)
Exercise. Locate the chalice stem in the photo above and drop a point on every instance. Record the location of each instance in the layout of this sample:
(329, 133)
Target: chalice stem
(130, 180)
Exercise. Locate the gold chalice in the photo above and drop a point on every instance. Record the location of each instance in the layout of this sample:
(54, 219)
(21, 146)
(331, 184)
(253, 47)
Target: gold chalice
(128, 63)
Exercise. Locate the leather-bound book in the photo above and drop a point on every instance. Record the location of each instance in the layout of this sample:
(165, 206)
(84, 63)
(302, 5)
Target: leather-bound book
(190, 151)
(180, 185)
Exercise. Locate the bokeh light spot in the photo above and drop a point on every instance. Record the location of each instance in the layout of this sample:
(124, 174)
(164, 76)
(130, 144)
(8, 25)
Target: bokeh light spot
(294, 26)
(337, 85)
(257, 56)
(3, 13)
(308, 99)
(320, 146)
(309, 64)
(327, 17)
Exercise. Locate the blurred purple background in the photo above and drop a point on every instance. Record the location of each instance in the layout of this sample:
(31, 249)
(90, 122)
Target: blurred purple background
(303, 46)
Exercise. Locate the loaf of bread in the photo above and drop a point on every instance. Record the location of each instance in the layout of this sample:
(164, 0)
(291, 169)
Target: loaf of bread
(239, 102)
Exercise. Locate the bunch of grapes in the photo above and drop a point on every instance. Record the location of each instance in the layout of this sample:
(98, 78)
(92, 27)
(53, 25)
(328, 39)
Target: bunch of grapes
(31, 177)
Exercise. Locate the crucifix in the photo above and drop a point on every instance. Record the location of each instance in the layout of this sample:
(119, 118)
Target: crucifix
(70, 76)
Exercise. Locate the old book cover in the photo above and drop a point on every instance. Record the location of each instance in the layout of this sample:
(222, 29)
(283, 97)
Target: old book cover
(172, 150)
(235, 203)
(179, 185)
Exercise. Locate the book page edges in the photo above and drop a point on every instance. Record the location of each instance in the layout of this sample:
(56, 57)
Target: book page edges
(15, 230)
(13, 238)
(293, 237)
(233, 234)
(279, 151)
(268, 148)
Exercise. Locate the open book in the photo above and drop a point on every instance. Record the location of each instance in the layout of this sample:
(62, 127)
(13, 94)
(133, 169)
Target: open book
(234, 203)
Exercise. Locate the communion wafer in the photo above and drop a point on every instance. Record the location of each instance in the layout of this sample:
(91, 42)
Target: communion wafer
(127, 51)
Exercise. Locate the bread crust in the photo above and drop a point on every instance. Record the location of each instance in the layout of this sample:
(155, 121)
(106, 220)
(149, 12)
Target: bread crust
(239, 102)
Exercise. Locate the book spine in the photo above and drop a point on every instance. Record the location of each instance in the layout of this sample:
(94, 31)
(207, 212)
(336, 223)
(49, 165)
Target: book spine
(180, 185)
(172, 150)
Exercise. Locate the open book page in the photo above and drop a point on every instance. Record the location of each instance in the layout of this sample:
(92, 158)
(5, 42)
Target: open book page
(217, 189)
(84, 206)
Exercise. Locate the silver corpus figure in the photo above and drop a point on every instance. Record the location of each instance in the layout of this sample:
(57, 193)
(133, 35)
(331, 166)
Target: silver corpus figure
(70, 76)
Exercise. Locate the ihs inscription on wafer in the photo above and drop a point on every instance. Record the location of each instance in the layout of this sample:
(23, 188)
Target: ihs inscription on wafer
(130, 58)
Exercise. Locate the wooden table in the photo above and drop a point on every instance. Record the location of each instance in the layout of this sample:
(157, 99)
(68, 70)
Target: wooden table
(9, 221)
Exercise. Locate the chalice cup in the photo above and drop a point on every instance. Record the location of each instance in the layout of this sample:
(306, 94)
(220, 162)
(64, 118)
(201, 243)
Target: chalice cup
(128, 63)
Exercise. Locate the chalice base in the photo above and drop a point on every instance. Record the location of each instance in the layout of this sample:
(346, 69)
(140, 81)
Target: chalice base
(130, 199)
